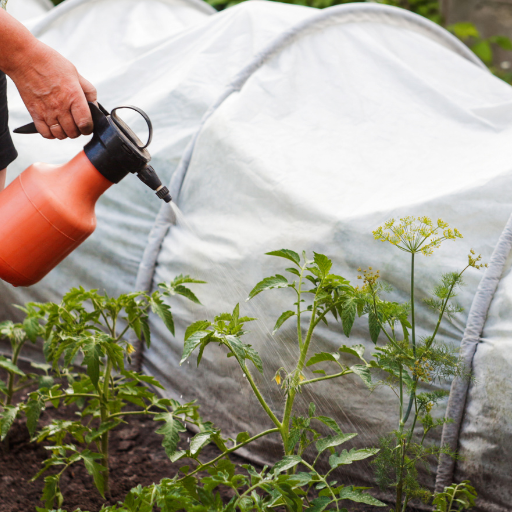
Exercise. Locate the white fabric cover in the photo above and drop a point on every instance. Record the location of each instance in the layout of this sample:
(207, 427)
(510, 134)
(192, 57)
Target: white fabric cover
(288, 127)
(24, 10)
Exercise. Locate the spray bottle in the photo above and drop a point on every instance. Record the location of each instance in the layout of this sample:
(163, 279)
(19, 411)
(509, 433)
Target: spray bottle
(48, 210)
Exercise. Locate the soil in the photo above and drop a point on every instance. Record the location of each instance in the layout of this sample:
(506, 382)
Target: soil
(136, 457)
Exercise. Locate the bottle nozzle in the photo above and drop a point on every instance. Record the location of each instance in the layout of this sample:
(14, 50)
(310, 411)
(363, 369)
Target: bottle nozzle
(151, 179)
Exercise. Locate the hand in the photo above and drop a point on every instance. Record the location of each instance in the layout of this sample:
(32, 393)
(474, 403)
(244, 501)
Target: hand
(54, 93)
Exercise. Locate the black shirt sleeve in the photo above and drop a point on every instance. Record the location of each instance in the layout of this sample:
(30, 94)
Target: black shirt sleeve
(8, 152)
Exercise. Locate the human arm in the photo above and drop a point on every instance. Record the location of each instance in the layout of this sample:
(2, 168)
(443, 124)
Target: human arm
(53, 91)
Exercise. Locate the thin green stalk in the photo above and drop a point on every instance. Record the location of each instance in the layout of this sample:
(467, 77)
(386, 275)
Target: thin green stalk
(299, 295)
(230, 450)
(327, 377)
(10, 384)
(104, 418)
(84, 395)
(401, 379)
(259, 396)
(324, 481)
(413, 318)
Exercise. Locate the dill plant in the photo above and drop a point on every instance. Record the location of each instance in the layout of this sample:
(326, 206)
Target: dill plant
(409, 361)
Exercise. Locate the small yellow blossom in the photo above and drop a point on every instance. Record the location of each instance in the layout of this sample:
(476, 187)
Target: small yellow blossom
(129, 348)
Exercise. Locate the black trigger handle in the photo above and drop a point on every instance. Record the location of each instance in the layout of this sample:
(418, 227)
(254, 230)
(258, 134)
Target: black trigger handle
(31, 127)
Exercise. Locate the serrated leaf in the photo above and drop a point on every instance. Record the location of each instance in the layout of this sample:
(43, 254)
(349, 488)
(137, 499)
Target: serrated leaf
(192, 343)
(321, 357)
(330, 423)
(374, 326)
(51, 492)
(242, 437)
(7, 416)
(355, 350)
(286, 253)
(200, 325)
(8, 365)
(287, 462)
(348, 315)
(332, 441)
(277, 281)
(199, 441)
(92, 356)
(164, 312)
(364, 372)
(186, 292)
(32, 327)
(98, 432)
(33, 412)
(347, 457)
(97, 471)
(145, 330)
(323, 263)
(282, 319)
(318, 504)
(357, 495)
(170, 430)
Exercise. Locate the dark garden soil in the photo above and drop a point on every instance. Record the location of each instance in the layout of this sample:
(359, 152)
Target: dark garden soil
(136, 457)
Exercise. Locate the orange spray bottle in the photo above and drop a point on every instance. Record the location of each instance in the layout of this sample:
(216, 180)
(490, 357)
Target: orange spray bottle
(48, 210)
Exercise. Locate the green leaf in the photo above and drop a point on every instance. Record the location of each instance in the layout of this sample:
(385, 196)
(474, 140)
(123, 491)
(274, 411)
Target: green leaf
(7, 416)
(98, 432)
(8, 365)
(199, 441)
(323, 356)
(92, 355)
(170, 430)
(242, 437)
(286, 253)
(287, 462)
(464, 30)
(192, 343)
(242, 351)
(348, 315)
(311, 409)
(356, 494)
(32, 328)
(200, 325)
(323, 263)
(51, 492)
(483, 50)
(145, 330)
(33, 411)
(277, 281)
(186, 292)
(330, 423)
(332, 441)
(318, 504)
(374, 326)
(97, 471)
(364, 372)
(163, 311)
(347, 457)
(282, 319)
(355, 350)
(502, 41)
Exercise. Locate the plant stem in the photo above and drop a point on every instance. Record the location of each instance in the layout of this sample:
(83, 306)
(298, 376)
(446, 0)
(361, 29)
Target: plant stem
(299, 294)
(104, 418)
(327, 377)
(413, 318)
(323, 480)
(259, 396)
(10, 385)
(230, 450)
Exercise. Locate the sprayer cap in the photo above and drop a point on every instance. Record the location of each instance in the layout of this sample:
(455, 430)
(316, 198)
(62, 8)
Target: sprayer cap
(115, 150)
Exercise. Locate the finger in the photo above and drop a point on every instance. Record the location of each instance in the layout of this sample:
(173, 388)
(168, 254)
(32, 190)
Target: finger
(89, 89)
(68, 125)
(81, 114)
(43, 129)
(57, 131)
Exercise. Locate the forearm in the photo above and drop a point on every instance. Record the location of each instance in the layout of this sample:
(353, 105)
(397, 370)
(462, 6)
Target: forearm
(16, 44)
(3, 172)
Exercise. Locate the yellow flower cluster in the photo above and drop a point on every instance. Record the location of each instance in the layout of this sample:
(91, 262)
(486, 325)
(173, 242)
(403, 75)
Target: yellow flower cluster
(369, 278)
(473, 260)
(415, 235)
(423, 370)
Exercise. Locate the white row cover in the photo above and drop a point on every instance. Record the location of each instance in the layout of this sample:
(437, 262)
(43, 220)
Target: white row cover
(24, 10)
(283, 126)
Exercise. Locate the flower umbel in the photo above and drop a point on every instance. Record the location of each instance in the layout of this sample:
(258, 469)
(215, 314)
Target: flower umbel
(416, 234)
